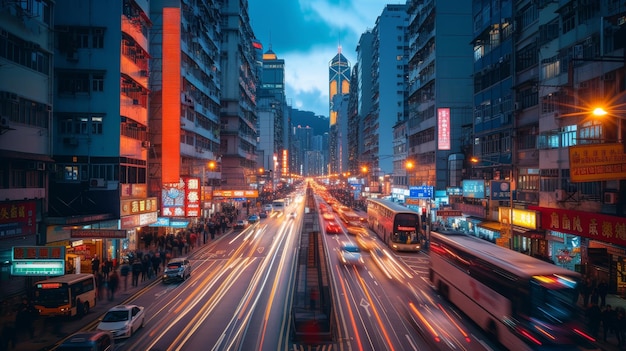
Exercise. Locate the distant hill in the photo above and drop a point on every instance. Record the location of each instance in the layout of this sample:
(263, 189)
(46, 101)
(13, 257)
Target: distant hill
(318, 123)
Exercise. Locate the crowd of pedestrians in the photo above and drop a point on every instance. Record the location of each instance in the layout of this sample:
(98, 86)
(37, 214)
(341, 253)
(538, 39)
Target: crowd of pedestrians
(603, 319)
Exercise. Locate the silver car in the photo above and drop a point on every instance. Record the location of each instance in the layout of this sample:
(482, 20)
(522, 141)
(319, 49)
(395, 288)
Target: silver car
(350, 254)
(178, 269)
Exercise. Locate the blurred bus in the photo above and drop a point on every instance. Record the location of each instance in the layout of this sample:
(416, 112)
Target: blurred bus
(396, 225)
(350, 218)
(522, 302)
(57, 296)
(278, 205)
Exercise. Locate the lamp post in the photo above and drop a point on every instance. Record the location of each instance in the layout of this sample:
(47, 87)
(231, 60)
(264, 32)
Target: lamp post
(475, 160)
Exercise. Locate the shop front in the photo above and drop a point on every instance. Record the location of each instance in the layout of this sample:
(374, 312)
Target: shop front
(593, 244)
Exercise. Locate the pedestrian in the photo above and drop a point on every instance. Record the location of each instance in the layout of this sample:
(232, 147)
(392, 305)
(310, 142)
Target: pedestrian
(80, 308)
(113, 283)
(136, 271)
(100, 284)
(586, 290)
(594, 318)
(95, 264)
(25, 317)
(603, 289)
(608, 321)
(124, 272)
(620, 326)
(106, 268)
(8, 338)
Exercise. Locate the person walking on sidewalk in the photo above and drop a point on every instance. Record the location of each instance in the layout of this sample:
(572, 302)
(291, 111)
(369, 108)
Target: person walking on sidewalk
(136, 269)
(113, 283)
(124, 272)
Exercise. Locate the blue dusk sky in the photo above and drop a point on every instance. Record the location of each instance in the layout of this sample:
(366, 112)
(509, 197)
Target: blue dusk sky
(307, 34)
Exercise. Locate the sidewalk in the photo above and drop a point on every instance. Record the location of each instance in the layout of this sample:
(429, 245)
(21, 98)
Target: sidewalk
(45, 338)
(611, 341)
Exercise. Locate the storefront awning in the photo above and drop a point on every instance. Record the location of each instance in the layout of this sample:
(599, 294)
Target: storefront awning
(490, 225)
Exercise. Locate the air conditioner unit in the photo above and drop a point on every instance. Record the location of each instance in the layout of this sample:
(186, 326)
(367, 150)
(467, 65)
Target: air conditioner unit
(610, 198)
(97, 183)
(145, 143)
(560, 194)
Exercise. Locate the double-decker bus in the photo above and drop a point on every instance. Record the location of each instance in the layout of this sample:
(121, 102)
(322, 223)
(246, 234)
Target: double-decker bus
(522, 302)
(278, 205)
(396, 225)
(58, 296)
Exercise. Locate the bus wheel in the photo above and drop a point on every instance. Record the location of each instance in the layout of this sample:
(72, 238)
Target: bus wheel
(443, 289)
(86, 307)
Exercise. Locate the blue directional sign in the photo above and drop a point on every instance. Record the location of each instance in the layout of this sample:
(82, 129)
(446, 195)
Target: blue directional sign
(421, 192)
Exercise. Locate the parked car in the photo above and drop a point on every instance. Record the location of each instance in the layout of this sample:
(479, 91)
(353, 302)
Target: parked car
(333, 228)
(123, 320)
(88, 341)
(178, 269)
(253, 219)
(241, 224)
(349, 253)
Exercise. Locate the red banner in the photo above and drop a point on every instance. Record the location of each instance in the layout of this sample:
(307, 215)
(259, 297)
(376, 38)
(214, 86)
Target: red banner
(590, 225)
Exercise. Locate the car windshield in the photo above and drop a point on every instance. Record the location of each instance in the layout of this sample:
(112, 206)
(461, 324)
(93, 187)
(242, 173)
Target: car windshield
(115, 316)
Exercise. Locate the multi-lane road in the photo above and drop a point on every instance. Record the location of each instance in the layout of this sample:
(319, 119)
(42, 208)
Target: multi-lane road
(238, 298)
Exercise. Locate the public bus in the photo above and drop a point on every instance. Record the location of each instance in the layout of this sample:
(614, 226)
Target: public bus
(57, 296)
(522, 302)
(278, 205)
(350, 218)
(396, 225)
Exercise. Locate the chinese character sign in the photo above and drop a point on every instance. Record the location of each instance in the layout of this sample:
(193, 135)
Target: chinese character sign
(443, 121)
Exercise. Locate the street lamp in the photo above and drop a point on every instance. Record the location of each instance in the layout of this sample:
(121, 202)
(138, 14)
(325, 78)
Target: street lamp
(476, 160)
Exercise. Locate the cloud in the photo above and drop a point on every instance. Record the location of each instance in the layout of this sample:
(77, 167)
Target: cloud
(306, 34)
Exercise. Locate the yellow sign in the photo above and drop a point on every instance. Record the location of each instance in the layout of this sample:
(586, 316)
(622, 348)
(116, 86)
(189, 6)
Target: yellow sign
(522, 218)
(597, 162)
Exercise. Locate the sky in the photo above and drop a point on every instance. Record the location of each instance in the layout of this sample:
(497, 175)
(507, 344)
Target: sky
(307, 34)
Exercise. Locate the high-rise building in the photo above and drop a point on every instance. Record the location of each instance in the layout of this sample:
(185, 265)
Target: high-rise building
(238, 100)
(440, 98)
(101, 126)
(339, 90)
(271, 107)
(26, 130)
(185, 81)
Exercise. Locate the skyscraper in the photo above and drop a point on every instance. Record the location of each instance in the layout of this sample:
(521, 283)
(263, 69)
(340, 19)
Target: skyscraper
(339, 89)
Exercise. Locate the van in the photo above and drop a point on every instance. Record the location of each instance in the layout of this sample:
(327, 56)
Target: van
(88, 341)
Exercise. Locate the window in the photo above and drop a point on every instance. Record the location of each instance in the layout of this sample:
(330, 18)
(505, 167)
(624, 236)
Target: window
(80, 82)
(80, 124)
(71, 173)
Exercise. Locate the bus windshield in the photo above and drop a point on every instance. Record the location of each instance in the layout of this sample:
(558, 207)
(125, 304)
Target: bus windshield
(51, 297)
(405, 228)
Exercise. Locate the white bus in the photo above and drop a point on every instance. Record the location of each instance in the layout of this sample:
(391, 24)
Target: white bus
(396, 225)
(522, 302)
(57, 296)
(278, 205)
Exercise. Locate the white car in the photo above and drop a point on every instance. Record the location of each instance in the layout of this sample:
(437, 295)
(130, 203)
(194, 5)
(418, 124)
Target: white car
(349, 253)
(123, 320)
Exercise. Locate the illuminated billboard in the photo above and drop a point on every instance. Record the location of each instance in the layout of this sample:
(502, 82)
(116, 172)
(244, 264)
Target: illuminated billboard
(181, 199)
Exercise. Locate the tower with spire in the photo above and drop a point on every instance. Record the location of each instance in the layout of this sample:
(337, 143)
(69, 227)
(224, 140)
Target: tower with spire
(339, 90)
